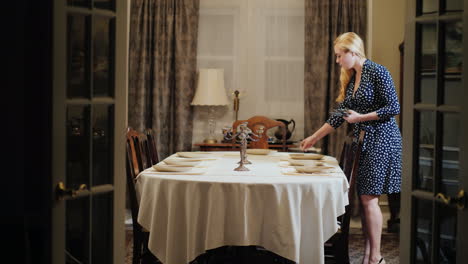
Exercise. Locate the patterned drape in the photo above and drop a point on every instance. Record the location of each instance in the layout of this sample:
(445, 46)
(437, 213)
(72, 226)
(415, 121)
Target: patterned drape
(162, 70)
(324, 21)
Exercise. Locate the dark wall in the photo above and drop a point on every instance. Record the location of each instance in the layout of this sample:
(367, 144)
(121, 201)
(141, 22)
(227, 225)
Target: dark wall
(28, 95)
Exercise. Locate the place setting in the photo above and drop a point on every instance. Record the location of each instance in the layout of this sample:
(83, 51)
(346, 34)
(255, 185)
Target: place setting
(185, 163)
(302, 156)
(194, 162)
(197, 155)
(169, 167)
(306, 156)
(311, 165)
(291, 163)
(321, 170)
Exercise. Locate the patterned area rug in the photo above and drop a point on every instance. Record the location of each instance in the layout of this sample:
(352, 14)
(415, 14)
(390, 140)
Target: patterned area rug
(390, 247)
(128, 246)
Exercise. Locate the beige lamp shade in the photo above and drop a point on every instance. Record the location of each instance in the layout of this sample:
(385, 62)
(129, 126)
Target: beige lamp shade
(210, 88)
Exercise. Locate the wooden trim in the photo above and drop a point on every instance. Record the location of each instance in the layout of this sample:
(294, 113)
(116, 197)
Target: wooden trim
(462, 229)
(401, 47)
(120, 79)
(407, 132)
(58, 119)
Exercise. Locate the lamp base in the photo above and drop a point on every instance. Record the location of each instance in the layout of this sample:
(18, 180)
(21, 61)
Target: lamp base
(210, 141)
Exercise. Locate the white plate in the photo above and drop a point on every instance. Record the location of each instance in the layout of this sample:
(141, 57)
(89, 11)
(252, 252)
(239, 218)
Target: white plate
(259, 151)
(196, 155)
(311, 169)
(171, 168)
(182, 162)
(302, 156)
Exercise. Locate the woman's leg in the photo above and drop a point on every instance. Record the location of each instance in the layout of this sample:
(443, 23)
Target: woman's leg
(365, 260)
(373, 224)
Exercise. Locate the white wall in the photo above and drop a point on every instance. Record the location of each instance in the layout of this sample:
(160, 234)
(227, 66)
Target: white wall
(386, 24)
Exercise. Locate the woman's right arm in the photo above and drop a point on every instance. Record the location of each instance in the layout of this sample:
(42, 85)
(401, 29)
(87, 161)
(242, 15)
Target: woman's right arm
(319, 134)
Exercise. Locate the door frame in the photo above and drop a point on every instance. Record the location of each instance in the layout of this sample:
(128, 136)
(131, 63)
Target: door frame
(122, 34)
(462, 243)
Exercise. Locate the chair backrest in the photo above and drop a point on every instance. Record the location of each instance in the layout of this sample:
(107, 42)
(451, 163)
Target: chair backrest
(152, 150)
(254, 123)
(138, 148)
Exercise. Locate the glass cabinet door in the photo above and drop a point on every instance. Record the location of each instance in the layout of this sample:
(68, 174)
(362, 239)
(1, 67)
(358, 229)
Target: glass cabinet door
(89, 107)
(434, 220)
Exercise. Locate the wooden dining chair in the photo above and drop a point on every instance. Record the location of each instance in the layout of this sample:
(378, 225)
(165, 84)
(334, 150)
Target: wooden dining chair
(336, 248)
(254, 123)
(135, 149)
(153, 155)
(141, 253)
(140, 150)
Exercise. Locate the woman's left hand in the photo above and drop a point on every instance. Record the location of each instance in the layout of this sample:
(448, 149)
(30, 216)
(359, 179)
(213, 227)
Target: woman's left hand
(353, 117)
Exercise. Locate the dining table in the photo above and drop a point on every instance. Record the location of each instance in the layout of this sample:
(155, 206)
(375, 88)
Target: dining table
(271, 205)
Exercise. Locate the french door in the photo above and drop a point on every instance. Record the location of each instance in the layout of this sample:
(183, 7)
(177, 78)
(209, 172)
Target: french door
(89, 120)
(434, 227)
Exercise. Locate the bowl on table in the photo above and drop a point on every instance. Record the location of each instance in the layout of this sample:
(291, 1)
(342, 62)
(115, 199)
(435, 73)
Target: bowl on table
(304, 156)
(305, 163)
(309, 150)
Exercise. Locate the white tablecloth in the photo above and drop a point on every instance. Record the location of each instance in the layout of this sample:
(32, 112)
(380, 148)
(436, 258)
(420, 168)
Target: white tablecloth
(291, 216)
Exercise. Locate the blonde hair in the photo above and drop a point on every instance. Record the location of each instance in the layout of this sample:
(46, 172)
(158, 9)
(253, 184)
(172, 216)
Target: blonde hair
(348, 42)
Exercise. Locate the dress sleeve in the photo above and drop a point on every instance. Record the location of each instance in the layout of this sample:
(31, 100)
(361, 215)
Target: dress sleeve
(386, 93)
(336, 120)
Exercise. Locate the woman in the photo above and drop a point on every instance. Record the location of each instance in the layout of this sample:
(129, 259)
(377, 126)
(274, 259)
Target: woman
(368, 96)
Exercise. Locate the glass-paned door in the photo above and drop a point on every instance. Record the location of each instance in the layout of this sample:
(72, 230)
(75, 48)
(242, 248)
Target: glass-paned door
(435, 178)
(90, 47)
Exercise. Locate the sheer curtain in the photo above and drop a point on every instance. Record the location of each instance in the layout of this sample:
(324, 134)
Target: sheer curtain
(260, 46)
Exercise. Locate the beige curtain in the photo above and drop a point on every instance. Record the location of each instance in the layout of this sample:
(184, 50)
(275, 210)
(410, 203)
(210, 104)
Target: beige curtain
(162, 71)
(324, 21)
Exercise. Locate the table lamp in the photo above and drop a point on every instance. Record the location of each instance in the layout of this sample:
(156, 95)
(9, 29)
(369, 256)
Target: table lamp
(210, 92)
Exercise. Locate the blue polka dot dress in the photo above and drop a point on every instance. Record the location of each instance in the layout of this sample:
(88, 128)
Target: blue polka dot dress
(380, 161)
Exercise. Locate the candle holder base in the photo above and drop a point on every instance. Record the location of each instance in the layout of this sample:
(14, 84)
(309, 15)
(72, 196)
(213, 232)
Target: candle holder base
(241, 168)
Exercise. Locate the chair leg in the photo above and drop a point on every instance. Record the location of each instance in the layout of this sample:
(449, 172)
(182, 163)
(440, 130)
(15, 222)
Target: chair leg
(136, 250)
(341, 251)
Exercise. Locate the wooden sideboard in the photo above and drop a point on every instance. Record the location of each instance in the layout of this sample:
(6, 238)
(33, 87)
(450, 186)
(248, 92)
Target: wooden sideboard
(231, 146)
